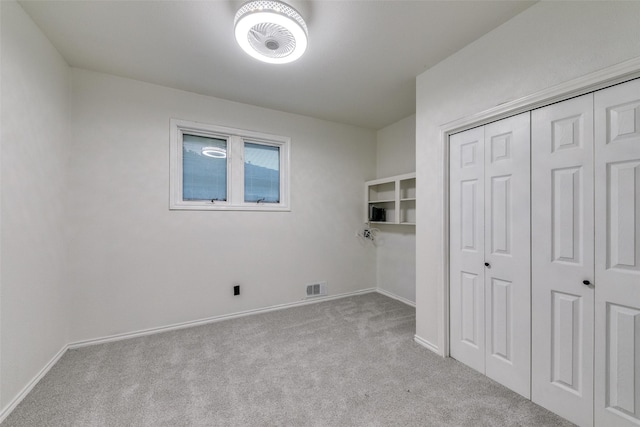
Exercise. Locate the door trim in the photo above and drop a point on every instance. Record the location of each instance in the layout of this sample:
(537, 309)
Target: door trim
(619, 73)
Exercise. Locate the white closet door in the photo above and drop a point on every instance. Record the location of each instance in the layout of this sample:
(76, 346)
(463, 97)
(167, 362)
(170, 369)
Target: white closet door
(562, 258)
(490, 315)
(466, 187)
(617, 266)
(507, 253)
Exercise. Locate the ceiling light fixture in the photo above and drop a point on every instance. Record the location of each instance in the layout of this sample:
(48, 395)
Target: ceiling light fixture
(271, 31)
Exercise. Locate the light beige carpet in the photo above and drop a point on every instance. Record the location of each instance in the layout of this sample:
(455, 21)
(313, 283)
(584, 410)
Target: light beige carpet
(347, 362)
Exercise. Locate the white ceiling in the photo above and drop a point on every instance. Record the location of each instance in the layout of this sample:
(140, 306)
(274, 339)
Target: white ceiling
(359, 68)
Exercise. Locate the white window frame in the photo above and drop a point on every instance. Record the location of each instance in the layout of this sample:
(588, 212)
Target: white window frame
(236, 139)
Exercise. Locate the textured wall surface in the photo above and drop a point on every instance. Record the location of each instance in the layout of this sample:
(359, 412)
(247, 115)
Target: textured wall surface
(35, 117)
(138, 265)
(396, 248)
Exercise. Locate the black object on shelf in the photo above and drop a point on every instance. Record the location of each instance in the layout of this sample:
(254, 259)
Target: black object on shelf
(377, 214)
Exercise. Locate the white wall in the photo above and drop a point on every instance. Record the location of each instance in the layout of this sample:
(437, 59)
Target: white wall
(396, 148)
(547, 44)
(138, 265)
(35, 114)
(396, 245)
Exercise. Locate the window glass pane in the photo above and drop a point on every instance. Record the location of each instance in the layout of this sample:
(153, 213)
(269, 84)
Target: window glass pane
(204, 168)
(261, 173)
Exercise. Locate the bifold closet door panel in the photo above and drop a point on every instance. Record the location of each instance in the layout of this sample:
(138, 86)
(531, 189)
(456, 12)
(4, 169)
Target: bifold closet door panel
(490, 300)
(507, 253)
(617, 260)
(562, 258)
(466, 245)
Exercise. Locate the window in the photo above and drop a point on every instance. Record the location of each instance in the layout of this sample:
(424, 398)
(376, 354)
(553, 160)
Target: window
(204, 168)
(220, 168)
(261, 173)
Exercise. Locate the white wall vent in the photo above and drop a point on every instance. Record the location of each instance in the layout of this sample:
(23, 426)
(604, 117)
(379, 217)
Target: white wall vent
(316, 289)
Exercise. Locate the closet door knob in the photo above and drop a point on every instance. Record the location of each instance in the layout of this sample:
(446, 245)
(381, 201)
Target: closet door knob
(486, 264)
(586, 282)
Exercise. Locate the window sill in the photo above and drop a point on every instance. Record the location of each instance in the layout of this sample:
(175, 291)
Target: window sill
(223, 207)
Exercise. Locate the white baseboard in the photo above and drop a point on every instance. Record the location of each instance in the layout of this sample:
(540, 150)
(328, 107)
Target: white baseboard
(396, 297)
(213, 319)
(23, 393)
(426, 344)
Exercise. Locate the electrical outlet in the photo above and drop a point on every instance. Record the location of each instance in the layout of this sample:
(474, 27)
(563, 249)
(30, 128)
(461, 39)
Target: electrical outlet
(236, 290)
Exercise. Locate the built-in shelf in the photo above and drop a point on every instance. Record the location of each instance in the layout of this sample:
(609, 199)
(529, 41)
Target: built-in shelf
(381, 201)
(395, 195)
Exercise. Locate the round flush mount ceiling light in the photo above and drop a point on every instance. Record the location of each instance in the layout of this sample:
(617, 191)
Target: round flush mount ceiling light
(271, 31)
